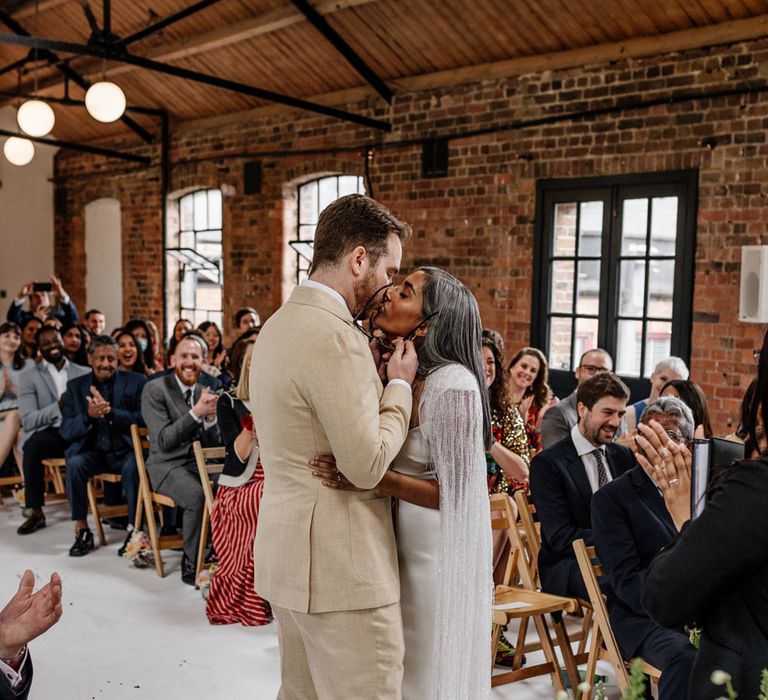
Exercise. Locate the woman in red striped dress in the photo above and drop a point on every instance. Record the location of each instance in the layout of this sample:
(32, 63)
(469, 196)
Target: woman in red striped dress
(231, 597)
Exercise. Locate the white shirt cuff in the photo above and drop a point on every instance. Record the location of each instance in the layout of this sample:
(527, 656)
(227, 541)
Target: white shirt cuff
(14, 677)
(64, 300)
(19, 301)
(400, 381)
(195, 416)
(208, 424)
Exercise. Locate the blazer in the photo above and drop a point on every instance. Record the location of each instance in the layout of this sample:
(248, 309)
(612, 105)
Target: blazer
(64, 312)
(171, 427)
(205, 379)
(21, 692)
(715, 573)
(563, 498)
(39, 399)
(630, 526)
(558, 421)
(230, 412)
(314, 390)
(76, 426)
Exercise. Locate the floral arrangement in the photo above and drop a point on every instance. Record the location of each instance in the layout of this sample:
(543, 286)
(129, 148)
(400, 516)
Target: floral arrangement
(203, 581)
(139, 550)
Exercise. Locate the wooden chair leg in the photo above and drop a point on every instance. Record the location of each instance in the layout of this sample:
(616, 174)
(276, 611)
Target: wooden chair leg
(139, 512)
(594, 654)
(495, 632)
(95, 512)
(585, 628)
(154, 537)
(565, 647)
(203, 542)
(549, 652)
(522, 633)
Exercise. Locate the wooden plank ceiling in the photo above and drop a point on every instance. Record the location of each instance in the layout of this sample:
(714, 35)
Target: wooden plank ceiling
(269, 44)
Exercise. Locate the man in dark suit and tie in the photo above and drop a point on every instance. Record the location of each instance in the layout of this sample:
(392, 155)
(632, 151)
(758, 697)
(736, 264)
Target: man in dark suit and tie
(630, 526)
(40, 390)
(564, 477)
(178, 410)
(98, 412)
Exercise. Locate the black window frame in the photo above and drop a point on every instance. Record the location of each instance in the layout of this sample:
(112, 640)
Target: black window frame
(614, 190)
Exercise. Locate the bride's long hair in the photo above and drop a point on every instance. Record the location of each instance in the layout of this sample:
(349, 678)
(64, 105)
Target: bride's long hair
(454, 333)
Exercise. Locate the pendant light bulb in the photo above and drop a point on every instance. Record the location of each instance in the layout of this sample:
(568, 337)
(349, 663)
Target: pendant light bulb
(19, 151)
(35, 118)
(105, 101)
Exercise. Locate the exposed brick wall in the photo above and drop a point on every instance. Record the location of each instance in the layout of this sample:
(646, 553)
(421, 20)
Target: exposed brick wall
(479, 221)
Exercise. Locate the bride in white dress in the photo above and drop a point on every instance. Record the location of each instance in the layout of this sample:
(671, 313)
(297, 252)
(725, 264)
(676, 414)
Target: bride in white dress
(443, 524)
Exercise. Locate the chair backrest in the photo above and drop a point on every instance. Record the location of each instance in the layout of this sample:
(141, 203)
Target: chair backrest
(590, 569)
(140, 443)
(503, 518)
(532, 538)
(210, 461)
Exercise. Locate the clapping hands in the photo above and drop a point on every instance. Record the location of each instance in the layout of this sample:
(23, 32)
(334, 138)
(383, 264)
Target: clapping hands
(205, 407)
(97, 406)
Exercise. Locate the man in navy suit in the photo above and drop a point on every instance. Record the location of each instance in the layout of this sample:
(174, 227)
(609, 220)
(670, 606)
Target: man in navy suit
(630, 526)
(96, 422)
(564, 477)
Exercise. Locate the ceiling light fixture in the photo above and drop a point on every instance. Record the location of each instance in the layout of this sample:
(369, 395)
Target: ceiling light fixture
(35, 118)
(19, 151)
(105, 101)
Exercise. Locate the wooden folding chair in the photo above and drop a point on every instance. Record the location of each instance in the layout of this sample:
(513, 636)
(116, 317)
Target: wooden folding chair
(53, 467)
(104, 510)
(531, 548)
(525, 602)
(210, 461)
(12, 480)
(152, 501)
(604, 645)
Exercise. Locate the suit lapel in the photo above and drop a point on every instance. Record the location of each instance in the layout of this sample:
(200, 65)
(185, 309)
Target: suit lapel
(612, 457)
(117, 388)
(577, 472)
(649, 494)
(48, 380)
(174, 392)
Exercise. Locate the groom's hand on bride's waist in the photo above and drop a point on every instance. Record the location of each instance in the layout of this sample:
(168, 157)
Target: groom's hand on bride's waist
(324, 467)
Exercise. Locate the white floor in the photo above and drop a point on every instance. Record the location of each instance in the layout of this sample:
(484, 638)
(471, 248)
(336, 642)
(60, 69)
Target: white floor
(127, 634)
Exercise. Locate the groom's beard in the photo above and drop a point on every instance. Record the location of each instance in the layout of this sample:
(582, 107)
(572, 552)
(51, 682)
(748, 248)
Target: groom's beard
(363, 289)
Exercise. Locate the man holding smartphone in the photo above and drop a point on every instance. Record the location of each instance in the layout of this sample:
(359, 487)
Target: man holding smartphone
(40, 307)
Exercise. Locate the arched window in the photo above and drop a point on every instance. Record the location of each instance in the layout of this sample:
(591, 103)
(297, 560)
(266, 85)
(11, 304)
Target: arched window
(313, 197)
(194, 257)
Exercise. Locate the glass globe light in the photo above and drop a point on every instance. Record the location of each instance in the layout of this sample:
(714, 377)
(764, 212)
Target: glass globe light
(105, 101)
(19, 151)
(35, 118)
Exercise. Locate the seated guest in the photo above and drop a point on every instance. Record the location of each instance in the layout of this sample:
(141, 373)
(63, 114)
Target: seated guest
(205, 379)
(143, 337)
(564, 477)
(26, 616)
(231, 597)
(217, 355)
(178, 410)
(75, 344)
(11, 364)
(715, 572)
(530, 393)
(630, 526)
(96, 420)
(665, 370)
(40, 391)
(129, 356)
(692, 395)
(560, 418)
(245, 319)
(750, 430)
(53, 322)
(40, 304)
(95, 322)
(180, 329)
(157, 346)
(29, 329)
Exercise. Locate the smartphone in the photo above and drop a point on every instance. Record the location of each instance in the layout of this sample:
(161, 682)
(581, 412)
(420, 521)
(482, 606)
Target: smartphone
(42, 287)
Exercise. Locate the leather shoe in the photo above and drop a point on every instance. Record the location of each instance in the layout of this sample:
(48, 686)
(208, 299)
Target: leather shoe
(187, 570)
(129, 534)
(83, 543)
(33, 523)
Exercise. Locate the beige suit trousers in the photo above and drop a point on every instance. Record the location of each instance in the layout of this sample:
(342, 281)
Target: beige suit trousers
(345, 655)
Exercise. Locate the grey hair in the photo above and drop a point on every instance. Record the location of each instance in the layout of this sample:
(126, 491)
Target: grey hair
(672, 406)
(101, 341)
(454, 333)
(673, 364)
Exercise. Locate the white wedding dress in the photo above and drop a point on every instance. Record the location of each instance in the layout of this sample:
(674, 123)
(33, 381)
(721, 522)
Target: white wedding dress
(445, 555)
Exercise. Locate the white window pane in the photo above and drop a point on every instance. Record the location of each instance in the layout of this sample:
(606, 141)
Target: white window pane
(634, 224)
(308, 211)
(590, 228)
(631, 287)
(186, 214)
(663, 225)
(201, 210)
(307, 233)
(629, 339)
(565, 229)
(661, 284)
(588, 287)
(328, 191)
(561, 293)
(559, 355)
(187, 239)
(214, 209)
(349, 184)
(585, 337)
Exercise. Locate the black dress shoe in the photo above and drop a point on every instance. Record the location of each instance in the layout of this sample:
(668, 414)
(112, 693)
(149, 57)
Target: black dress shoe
(33, 523)
(187, 570)
(121, 551)
(83, 543)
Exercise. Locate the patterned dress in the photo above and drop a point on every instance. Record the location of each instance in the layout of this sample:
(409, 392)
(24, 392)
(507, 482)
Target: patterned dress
(509, 430)
(533, 436)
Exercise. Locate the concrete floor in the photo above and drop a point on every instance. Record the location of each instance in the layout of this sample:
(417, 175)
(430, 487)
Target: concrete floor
(126, 634)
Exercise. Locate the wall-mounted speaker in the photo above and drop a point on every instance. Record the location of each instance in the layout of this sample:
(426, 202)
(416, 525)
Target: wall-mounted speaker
(753, 290)
(434, 158)
(252, 177)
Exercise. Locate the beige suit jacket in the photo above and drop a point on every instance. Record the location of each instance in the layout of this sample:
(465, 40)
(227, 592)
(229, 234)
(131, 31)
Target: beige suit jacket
(314, 390)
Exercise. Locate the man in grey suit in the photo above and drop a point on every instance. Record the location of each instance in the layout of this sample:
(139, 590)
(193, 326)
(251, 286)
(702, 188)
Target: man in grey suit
(560, 418)
(41, 390)
(178, 410)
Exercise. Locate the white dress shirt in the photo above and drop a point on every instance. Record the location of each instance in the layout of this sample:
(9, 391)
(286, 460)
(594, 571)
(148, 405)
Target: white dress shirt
(333, 293)
(184, 388)
(14, 677)
(60, 376)
(585, 450)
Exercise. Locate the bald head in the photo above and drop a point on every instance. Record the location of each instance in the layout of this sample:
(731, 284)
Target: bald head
(593, 362)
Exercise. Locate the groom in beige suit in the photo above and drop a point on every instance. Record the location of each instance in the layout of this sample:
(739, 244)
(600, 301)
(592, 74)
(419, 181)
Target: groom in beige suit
(324, 558)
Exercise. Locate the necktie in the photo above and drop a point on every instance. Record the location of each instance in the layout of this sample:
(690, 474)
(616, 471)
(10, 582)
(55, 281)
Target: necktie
(188, 397)
(602, 472)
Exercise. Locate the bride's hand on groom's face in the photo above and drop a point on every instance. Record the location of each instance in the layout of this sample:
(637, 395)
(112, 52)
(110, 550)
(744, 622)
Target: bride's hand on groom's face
(324, 467)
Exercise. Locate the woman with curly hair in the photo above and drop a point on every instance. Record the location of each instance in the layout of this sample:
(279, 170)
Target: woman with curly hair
(530, 392)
